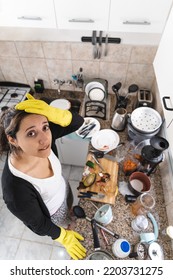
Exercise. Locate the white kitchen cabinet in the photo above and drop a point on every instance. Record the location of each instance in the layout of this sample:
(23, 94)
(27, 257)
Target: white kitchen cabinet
(163, 67)
(27, 13)
(146, 16)
(82, 14)
(72, 150)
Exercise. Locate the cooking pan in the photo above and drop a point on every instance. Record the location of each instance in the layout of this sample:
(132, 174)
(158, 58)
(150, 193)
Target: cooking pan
(98, 254)
(146, 120)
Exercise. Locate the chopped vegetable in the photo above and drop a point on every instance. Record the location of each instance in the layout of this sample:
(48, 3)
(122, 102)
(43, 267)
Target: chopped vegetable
(89, 179)
(90, 164)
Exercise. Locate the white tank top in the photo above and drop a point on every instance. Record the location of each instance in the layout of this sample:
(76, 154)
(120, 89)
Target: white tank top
(52, 189)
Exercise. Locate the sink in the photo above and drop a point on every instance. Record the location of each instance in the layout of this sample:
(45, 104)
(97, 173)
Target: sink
(75, 104)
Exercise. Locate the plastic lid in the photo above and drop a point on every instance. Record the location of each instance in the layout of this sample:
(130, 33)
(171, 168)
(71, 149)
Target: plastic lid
(125, 247)
(169, 231)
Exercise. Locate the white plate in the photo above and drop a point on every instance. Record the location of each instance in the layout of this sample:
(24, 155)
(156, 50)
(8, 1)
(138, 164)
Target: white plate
(92, 85)
(89, 120)
(105, 140)
(61, 104)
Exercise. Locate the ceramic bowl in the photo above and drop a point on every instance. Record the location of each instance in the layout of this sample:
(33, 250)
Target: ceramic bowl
(139, 183)
(104, 214)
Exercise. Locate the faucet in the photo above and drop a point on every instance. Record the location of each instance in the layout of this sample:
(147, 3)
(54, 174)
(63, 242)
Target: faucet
(59, 83)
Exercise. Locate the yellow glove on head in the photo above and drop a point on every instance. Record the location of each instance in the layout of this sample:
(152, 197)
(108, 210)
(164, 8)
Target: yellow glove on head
(69, 239)
(35, 106)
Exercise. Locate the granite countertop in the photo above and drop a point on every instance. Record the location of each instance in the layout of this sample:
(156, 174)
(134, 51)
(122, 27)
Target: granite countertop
(122, 215)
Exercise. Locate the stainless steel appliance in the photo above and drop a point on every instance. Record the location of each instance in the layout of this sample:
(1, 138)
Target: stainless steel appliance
(144, 98)
(12, 93)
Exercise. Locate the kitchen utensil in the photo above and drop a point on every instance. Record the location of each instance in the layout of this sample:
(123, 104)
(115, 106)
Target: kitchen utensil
(88, 126)
(80, 213)
(155, 251)
(121, 248)
(116, 89)
(132, 89)
(143, 204)
(106, 45)
(105, 140)
(119, 119)
(100, 45)
(104, 214)
(140, 223)
(90, 194)
(98, 254)
(94, 43)
(98, 163)
(146, 120)
(149, 237)
(139, 183)
(140, 251)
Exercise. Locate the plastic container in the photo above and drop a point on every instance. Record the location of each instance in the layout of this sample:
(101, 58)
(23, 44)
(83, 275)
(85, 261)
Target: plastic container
(121, 248)
(140, 223)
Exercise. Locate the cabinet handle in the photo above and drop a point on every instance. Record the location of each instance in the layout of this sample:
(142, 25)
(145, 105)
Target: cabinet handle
(164, 103)
(30, 18)
(81, 20)
(137, 22)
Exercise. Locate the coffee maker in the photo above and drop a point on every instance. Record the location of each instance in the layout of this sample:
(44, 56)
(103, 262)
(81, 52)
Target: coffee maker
(152, 155)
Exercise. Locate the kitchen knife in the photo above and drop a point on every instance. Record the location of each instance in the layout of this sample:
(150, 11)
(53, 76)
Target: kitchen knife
(94, 42)
(88, 131)
(106, 46)
(85, 128)
(91, 195)
(100, 45)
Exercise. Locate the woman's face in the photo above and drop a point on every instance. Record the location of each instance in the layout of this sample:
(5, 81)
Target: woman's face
(34, 136)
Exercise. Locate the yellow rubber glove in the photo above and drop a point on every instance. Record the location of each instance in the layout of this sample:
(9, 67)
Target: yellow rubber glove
(35, 106)
(69, 239)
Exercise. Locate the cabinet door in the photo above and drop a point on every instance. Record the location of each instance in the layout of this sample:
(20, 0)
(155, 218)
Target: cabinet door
(72, 151)
(82, 14)
(163, 67)
(146, 16)
(27, 13)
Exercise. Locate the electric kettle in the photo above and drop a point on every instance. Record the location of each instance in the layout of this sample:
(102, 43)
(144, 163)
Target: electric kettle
(119, 119)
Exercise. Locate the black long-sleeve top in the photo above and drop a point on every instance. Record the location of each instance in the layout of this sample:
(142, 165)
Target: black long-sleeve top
(24, 201)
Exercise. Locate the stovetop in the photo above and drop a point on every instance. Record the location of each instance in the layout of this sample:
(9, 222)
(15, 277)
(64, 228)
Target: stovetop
(12, 93)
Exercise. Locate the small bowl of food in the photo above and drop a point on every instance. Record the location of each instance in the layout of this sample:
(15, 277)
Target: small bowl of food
(139, 183)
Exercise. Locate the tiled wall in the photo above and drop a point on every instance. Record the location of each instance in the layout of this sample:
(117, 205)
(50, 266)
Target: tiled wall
(23, 61)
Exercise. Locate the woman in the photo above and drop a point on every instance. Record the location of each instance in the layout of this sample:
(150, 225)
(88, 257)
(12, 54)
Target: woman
(34, 189)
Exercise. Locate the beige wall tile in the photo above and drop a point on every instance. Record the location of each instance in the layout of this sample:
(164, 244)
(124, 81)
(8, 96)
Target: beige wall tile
(90, 68)
(117, 53)
(1, 75)
(12, 69)
(58, 69)
(8, 49)
(29, 49)
(140, 74)
(113, 73)
(57, 50)
(35, 68)
(143, 54)
(81, 51)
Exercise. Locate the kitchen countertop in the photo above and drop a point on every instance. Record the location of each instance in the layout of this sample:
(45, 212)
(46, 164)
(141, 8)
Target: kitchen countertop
(122, 216)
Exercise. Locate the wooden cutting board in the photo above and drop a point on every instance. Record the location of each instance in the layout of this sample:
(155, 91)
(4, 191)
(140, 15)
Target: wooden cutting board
(110, 188)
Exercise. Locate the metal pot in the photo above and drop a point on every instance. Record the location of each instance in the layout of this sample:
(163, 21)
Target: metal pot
(146, 120)
(98, 254)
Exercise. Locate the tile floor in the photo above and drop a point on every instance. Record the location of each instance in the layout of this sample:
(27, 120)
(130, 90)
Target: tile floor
(17, 242)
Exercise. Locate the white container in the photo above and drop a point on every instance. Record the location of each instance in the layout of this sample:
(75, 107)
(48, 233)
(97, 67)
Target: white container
(121, 248)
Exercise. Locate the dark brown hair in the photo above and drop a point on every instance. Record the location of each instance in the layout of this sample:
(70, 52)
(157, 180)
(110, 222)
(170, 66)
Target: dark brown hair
(10, 121)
